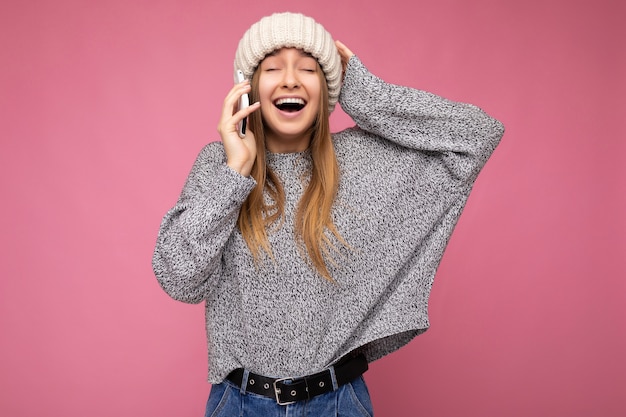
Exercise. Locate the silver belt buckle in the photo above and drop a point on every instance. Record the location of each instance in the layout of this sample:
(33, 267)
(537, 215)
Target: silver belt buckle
(277, 392)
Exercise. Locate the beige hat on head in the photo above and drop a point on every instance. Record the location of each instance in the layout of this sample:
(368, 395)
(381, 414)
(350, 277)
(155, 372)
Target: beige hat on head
(291, 30)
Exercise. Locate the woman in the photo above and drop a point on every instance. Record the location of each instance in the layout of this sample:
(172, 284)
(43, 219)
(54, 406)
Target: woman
(315, 253)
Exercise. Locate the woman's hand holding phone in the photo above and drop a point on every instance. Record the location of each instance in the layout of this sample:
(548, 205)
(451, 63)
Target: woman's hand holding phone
(240, 151)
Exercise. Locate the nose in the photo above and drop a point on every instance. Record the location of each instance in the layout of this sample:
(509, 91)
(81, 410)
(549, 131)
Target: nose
(290, 78)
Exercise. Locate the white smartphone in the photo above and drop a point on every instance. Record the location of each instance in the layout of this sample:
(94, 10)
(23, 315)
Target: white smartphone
(244, 101)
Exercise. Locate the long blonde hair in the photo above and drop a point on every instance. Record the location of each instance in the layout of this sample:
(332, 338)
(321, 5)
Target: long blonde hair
(314, 211)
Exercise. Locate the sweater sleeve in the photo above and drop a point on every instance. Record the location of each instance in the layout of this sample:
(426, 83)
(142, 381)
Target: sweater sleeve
(461, 134)
(191, 239)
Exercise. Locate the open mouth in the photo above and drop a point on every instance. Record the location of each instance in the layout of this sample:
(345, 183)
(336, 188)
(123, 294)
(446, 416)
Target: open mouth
(290, 104)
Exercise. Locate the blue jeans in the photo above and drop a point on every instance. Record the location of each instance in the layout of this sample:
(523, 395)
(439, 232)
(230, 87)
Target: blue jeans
(350, 400)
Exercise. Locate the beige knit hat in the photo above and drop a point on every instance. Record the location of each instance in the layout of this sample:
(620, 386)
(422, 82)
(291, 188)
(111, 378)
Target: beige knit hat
(291, 30)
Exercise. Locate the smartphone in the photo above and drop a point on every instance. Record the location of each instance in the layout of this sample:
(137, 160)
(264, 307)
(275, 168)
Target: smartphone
(244, 101)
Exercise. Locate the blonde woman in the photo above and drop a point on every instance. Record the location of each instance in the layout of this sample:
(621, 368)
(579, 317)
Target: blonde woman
(315, 252)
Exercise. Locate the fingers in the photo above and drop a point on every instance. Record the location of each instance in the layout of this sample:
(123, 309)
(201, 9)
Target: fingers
(230, 114)
(345, 53)
(230, 102)
(343, 48)
(240, 152)
(250, 109)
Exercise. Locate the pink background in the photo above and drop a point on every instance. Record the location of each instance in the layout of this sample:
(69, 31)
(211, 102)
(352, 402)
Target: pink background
(105, 104)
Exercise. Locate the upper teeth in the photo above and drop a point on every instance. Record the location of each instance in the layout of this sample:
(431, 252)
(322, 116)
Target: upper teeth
(290, 100)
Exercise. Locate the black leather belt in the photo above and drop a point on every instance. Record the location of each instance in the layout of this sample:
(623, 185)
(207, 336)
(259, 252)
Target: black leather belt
(289, 390)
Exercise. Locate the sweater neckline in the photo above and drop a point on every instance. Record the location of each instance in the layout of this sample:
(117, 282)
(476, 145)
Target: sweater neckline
(289, 160)
(289, 157)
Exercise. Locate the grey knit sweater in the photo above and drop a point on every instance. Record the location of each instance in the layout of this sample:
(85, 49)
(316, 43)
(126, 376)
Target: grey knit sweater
(407, 168)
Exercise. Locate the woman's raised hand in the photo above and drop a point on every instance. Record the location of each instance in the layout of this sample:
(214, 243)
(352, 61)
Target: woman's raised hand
(344, 53)
(240, 153)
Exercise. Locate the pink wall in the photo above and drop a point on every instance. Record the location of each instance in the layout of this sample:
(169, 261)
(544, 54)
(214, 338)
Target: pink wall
(104, 105)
